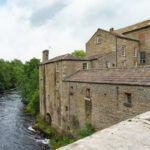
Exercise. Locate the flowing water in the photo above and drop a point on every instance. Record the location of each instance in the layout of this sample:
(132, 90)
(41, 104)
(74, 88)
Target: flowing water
(16, 132)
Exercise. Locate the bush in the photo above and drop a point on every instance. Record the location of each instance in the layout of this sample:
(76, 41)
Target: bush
(87, 131)
(56, 140)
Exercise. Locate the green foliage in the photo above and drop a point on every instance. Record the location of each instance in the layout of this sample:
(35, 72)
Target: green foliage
(56, 140)
(24, 77)
(87, 131)
(79, 53)
(9, 72)
(28, 84)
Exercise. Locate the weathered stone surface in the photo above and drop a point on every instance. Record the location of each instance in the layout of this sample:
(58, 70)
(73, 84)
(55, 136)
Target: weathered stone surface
(66, 105)
(132, 134)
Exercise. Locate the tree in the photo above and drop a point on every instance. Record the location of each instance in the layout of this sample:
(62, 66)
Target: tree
(80, 53)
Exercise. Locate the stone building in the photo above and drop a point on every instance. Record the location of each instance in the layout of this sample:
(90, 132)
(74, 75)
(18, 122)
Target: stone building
(109, 85)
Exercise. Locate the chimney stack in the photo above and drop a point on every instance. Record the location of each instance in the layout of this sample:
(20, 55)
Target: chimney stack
(45, 55)
(111, 29)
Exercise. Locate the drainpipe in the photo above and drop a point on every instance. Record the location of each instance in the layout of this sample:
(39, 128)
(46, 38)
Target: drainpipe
(116, 51)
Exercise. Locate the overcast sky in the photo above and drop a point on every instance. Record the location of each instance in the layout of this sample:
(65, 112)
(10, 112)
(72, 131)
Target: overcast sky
(29, 26)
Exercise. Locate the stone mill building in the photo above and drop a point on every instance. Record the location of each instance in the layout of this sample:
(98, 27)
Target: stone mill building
(111, 84)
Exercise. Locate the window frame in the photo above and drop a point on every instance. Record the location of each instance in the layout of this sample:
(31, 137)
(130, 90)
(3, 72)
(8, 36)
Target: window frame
(88, 93)
(123, 64)
(143, 60)
(123, 51)
(107, 64)
(128, 100)
(57, 85)
(71, 90)
(135, 63)
(84, 66)
(98, 39)
(135, 52)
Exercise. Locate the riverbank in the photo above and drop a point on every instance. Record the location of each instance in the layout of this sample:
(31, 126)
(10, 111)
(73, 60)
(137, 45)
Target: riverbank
(56, 141)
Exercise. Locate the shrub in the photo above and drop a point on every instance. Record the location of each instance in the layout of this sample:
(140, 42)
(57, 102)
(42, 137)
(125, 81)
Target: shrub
(87, 131)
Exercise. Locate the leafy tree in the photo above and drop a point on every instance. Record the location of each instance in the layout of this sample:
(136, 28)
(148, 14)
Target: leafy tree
(29, 85)
(79, 53)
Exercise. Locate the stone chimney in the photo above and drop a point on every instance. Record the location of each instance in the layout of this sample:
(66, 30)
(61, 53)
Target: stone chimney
(111, 29)
(45, 56)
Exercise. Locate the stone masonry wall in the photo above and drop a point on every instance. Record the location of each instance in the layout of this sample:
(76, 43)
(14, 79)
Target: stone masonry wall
(129, 59)
(50, 93)
(107, 43)
(145, 41)
(106, 106)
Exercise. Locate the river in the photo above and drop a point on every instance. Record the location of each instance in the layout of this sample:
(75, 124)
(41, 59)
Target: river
(15, 125)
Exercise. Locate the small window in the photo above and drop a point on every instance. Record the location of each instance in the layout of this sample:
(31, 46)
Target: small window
(128, 100)
(135, 52)
(48, 97)
(107, 64)
(57, 67)
(88, 93)
(123, 64)
(135, 64)
(71, 90)
(98, 39)
(123, 51)
(66, 108)
(58, 101)
(142, 58)
(84, 66)
(57, 85)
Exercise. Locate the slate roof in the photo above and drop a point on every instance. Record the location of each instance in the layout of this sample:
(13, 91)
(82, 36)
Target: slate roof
(68, 57)
(76, 58)
(134, 27)
(139, 76)
(125, 36)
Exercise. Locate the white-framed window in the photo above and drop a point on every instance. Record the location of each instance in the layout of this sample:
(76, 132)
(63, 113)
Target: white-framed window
(142, 58)
(135, 64)
(57, 85)
(135, 52)
(123, 50)
(98, 39)
(123, 64)
(88, 93)
(84, 66)
(57, 67)
(107, 64)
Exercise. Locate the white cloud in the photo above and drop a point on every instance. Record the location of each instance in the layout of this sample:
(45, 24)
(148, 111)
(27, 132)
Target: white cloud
(27, 27)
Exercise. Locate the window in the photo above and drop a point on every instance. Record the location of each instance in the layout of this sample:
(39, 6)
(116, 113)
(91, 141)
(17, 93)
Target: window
(98, 39)
(57, 85)
(58, 101)
(128, 100)
(123, 50)
(107, 64)
(134, 52)
(88, 93)
(135, 64)
(57, 67)
(142, 58)
(84, 66)
(66, 108)
(71, 90)
(48, 97)
(123, 64)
